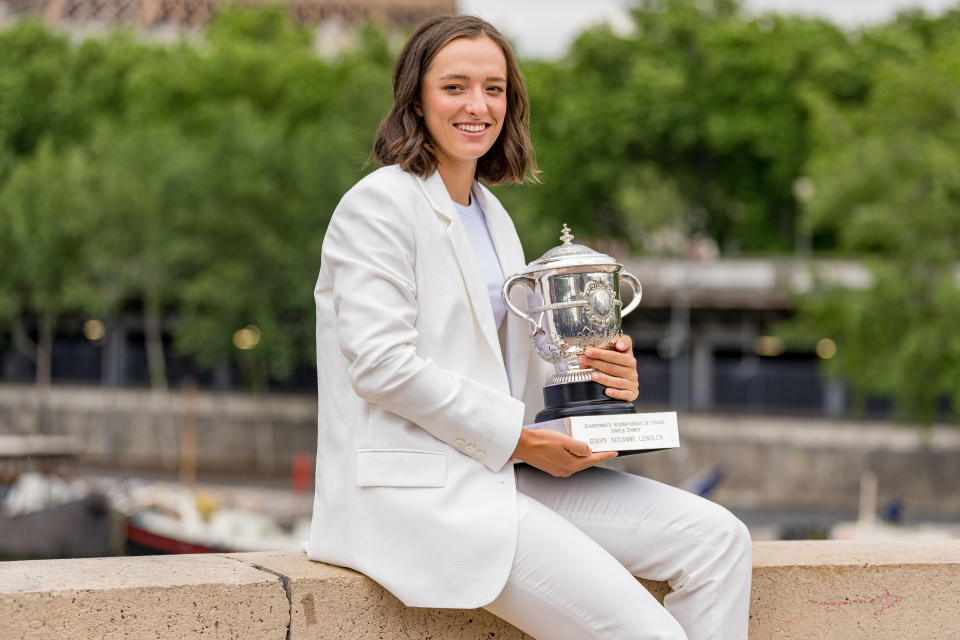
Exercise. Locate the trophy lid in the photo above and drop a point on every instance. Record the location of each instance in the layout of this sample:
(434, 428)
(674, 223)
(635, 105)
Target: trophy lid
(567, 255)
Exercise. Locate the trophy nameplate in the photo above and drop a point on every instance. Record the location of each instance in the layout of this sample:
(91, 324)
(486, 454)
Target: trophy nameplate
(626, 433)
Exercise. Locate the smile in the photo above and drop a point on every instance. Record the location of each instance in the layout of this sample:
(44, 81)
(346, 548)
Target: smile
(472, 128)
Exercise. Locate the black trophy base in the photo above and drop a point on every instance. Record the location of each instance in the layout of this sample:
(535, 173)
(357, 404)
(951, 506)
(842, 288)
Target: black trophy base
(580, 399)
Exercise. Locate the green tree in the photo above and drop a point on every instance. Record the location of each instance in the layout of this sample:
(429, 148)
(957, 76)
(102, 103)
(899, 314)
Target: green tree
(887, 186)
(283, 135)
(45, 217)
(32, 87)
(699, 101)
(205, 171)
(257, 240)
(145, 183)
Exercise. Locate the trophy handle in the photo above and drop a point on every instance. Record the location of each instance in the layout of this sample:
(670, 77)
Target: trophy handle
(637, 292)
(531, 283)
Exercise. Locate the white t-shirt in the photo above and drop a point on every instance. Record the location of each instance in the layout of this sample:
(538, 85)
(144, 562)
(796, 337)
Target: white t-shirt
(476, 225)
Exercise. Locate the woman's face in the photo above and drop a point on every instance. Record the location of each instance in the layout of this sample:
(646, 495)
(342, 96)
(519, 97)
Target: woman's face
(464, 99)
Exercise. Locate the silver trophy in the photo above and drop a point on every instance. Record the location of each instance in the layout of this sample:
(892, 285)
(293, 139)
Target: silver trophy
(575, 304)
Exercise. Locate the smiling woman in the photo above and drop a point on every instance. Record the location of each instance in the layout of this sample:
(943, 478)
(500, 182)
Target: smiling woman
(463, 103)
(425, 384)
(437, 74)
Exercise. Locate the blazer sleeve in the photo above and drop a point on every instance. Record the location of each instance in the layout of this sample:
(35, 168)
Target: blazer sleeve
(369, 249)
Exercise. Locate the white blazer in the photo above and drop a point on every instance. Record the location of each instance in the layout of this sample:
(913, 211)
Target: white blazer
(418, 413)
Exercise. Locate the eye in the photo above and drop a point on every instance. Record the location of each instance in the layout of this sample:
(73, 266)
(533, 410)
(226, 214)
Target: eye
(452, 87)
(496, 89)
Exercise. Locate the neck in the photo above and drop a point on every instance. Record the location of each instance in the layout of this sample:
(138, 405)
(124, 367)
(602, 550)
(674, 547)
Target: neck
(458, 179)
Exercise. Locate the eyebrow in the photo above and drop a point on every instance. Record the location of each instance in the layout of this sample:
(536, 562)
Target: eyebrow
(460, 76)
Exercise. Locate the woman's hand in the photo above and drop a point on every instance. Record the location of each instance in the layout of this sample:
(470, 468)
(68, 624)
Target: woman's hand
(556, 453)
(616, 368)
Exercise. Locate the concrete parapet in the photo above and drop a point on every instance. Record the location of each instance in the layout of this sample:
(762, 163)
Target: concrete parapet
(199, 596)
(856, 589)
(365, 610)
(801, 590)
(333, 602)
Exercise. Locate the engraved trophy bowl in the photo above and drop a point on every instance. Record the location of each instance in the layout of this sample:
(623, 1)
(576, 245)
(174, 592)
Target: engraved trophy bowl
(574, 303)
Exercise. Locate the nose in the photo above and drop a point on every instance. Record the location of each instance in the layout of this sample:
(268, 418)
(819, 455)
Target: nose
(476, 103)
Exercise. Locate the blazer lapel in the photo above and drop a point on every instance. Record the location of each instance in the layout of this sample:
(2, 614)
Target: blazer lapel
(439, 198)
(510, 253)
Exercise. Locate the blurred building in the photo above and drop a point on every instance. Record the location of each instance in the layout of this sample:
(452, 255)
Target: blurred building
(705, 336)
(195, 14)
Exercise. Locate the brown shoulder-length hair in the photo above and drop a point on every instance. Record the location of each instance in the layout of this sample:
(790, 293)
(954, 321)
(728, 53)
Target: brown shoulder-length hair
(403, 138)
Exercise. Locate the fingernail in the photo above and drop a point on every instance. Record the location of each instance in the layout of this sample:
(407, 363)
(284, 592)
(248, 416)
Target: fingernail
(581, 359)
(595, 375)
(587, 352)
(621, 345)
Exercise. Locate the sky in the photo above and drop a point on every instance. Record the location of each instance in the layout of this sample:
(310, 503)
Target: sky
(545, 28)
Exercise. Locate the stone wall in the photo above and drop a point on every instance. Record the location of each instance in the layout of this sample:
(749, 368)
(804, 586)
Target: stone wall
(132, 428)
(780, 462)
(801, 591)
(770, 462)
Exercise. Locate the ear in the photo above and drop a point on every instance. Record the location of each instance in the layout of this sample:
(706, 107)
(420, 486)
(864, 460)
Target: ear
(417, 109)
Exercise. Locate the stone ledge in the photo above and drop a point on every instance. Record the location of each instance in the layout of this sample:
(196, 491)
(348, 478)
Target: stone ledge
(856, 589)
(140, 597)
(801, 590)
(363, 608)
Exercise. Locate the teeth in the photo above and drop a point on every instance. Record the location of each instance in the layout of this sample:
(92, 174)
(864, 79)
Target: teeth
(471, 127)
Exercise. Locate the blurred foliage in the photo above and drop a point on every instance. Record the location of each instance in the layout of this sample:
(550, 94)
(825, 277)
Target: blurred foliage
(887, 176)
(699, 104)
(196, 179)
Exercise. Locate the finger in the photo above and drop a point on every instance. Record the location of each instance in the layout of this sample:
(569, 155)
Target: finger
(608, 360)
(609, 355)
(625, 343)
(626, 371)
(615, 382)
(578, 448)
(598, 457)
(627, 395)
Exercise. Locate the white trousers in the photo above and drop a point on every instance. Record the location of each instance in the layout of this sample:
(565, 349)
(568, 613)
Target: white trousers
(582, 540)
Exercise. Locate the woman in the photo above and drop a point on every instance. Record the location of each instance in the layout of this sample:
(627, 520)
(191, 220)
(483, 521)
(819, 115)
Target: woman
(425, 382)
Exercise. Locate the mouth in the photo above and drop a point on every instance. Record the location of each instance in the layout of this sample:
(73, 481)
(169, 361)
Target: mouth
(472, 127)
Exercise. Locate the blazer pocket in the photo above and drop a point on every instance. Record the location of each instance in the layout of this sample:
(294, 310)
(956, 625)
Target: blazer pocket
(401, 468)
